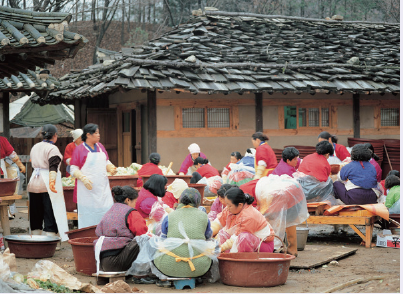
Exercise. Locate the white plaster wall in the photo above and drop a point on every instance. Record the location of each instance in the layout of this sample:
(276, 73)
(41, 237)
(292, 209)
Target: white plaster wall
(367, 117)
(270, 117)
(247, 117)
(165, 118)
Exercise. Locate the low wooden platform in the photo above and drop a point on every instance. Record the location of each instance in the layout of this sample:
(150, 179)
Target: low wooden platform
(5, 202)
(72, 216)
(351, 218)
(109, 277)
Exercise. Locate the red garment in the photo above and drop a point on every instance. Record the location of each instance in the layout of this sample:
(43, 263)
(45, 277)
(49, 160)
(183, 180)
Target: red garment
(265, 153)
(316, 165)
(145, 202)
(208, 171)
(5, 147)
(383, 186)
(249, 188)
(68, 153)
(148, 169)
(137, 223)
(341, 152)
(169, 199)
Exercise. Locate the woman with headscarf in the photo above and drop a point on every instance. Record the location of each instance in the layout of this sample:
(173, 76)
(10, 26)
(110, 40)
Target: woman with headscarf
(184, 250)
(46, 201)
(68, 152)
(187, 167)
(89, 165)
(240, 226)
(360, 185)
(265, 160)
(340, 152)
(149, 168)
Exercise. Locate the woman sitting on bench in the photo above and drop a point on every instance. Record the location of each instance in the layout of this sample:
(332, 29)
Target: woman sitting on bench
(313, 175)
(360, 176)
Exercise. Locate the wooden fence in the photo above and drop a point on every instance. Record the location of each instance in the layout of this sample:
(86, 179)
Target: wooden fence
(23, 146)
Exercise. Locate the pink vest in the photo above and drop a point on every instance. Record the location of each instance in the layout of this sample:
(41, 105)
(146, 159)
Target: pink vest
(144, 194)
(115, 228)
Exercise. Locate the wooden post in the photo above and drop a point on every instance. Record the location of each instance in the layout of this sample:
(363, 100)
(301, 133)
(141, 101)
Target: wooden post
(259, 112)
(6, 115)
(77, 114)
(152, 121)
(356, 115)
(83, 110)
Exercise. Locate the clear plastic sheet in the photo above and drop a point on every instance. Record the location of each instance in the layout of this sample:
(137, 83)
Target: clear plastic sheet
(240, 174)
(395, 208)
(316, 191)
(157, 215)
(244, 242)
(212, 185)
(150, 249)
(282, 201)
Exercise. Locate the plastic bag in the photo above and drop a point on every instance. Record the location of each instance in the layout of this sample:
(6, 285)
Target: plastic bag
(282, 201)
(177, 187)
(157, 215)
(316, 191)
(240, 174)
(212, 185)
(150, 248)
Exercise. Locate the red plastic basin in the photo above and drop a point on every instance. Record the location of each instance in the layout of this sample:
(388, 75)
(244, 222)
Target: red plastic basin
(82, 233)
(32, 246)
(84, 255)
(128, 180)
(68, 199)
(252, 269)
(7, 187)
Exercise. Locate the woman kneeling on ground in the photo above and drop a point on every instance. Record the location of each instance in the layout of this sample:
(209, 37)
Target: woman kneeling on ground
(116, 248)
(241, 227)
(360, 176)
(219, 203)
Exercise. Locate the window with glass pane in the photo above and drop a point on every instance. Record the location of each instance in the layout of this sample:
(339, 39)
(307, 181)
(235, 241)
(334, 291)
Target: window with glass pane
(325, 117)
(290, 117)
(390, 117)
(313, 117)
(302, 117)
(218, 118)
(193, 117)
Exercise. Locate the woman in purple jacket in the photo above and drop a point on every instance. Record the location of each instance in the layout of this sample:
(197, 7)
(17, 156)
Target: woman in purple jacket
(187, 167)
(289, 163)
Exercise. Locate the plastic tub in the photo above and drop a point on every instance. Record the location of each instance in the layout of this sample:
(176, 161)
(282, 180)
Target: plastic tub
(82, 233)
(7, 187)
(334, 169)
(32, 246)
(128, 180)
(253, 269)
(68, 199)
(302, 237)
(200, 188)
(84, 255)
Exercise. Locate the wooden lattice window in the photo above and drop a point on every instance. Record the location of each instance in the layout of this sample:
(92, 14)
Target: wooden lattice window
(390, 117)
(206, 117)
(306, 117)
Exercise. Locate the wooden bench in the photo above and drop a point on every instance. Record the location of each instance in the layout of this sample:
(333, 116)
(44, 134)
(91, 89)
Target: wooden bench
(351, 218)
(5, 201)
(109, 277)
(72, 216)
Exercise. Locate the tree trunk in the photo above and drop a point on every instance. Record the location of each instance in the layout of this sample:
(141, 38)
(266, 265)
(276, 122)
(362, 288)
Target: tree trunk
(122, 33)
(128, 16)
(139, 16)
(93, 11)
(83, 14)
(149, 11)
(154, 12)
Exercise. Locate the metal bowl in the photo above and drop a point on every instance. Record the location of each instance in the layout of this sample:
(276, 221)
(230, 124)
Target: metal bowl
(31, 238)
(32, 246)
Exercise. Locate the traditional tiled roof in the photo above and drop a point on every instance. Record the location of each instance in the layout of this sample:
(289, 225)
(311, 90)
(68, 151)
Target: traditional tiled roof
(29, 39)
(222, 52)
(31, 81)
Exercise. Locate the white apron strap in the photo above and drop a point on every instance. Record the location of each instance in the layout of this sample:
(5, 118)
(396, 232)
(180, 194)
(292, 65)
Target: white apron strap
(98, 247)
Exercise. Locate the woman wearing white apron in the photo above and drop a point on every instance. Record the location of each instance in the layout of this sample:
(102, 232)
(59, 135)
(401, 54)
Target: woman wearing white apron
(46, 200)
(7, 153)
(89, 165)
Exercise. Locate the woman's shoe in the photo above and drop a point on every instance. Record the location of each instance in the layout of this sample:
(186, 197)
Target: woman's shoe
(165, 284)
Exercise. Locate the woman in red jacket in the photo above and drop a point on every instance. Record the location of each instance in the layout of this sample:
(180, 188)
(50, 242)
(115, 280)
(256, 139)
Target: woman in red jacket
(204, 170)
(340, 151)
(265, 160)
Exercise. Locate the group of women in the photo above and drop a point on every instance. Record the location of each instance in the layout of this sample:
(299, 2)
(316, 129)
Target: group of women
(164, 231)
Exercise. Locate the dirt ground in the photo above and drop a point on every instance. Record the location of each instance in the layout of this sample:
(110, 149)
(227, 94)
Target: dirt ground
(366, 263)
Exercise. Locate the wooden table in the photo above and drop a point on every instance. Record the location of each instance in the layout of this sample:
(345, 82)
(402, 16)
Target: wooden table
(5, 222)
(352, 219)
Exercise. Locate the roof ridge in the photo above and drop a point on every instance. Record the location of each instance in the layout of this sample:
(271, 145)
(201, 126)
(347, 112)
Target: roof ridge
(247, 14)
(30, 16)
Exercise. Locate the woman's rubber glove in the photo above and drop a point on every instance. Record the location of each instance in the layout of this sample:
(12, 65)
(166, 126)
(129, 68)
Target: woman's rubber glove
(259, 172)
(228, 244)
(18, 162)
(87, 182)
(111, 169)
(52, 181)
(181, 174)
